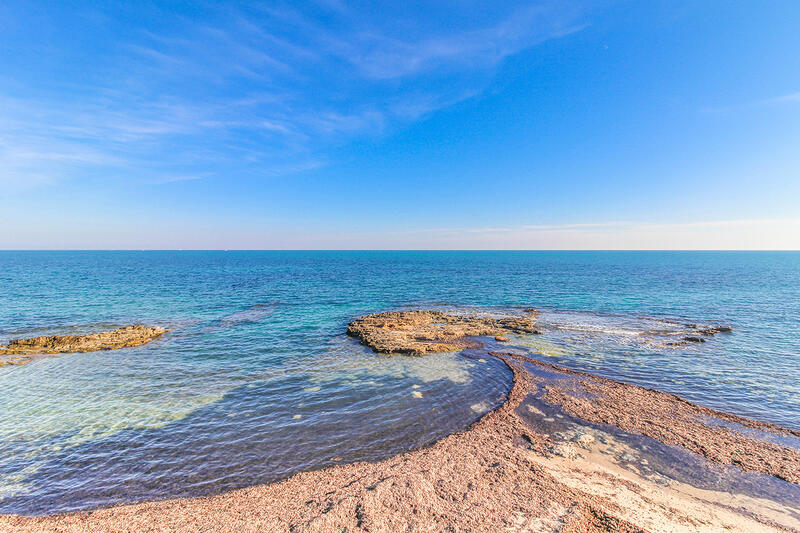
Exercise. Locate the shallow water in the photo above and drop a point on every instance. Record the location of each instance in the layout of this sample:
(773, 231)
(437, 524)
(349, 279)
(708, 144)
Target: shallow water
(257, 379)
(649, 457)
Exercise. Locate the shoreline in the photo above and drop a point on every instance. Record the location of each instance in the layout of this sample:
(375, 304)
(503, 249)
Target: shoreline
(676, 421)
(502, 472)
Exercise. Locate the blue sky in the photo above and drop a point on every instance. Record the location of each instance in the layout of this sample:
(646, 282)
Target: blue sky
(333, 124)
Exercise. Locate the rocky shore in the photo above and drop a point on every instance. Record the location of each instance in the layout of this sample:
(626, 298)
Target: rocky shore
(499, 475)
(125, 337)
(566, 451)
(672, 420)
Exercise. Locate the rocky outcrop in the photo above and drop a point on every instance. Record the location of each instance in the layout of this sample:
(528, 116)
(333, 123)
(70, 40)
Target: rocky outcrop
(124, 337)
(710, 331)
(701, 333)
(421, 332)
(694, 339)
(718, 329)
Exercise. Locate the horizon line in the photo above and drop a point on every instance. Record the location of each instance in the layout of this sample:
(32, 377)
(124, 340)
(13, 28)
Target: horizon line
(397, 250)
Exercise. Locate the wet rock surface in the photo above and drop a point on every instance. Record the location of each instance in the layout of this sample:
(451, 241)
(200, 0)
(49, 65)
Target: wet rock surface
(672, 420)
(421, 332)
(499, 475)
(125, 337)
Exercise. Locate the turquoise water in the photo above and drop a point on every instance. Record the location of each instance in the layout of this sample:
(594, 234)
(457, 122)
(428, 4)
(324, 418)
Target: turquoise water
(257, 380)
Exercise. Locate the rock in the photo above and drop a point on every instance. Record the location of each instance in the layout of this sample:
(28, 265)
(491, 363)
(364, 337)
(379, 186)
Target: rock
(11, 362)
(421, 332)
(533, 409)
(566, 450)
(584, 440)
(125, 337)
(694, 339)
(718, 329)
(710, 332)
(500, 338)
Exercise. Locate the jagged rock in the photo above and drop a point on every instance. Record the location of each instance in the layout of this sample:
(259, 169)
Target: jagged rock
(694, 339)
(716, 329)
(421, 332)
(125, 337)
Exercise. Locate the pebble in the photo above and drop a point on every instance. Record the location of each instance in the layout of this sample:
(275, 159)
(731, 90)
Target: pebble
(565, 449)
(584, 440)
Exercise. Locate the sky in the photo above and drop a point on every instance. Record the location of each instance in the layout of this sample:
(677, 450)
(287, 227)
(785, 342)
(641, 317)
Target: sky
(657, 124)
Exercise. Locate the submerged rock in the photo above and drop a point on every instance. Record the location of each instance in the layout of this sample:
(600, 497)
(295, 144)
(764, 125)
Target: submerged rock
(421, 332)
(500, 338)
(567, 450)
(584, 440)
(124, 337)
(694, 339)
(716, 329)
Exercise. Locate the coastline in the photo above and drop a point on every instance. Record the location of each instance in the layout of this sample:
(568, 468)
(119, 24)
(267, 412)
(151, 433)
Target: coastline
(502, 473)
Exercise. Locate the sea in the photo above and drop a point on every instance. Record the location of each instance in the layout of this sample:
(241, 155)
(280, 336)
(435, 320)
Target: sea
(257, 380)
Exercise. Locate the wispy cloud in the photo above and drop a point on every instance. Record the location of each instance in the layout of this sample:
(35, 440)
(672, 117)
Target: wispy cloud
(791, 97)
(771, 234)
(253, 89)
(745, 234)
(389, 58)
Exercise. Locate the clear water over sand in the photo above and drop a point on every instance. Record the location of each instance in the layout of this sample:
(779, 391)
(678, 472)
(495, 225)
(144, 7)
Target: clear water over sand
(257, 379)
